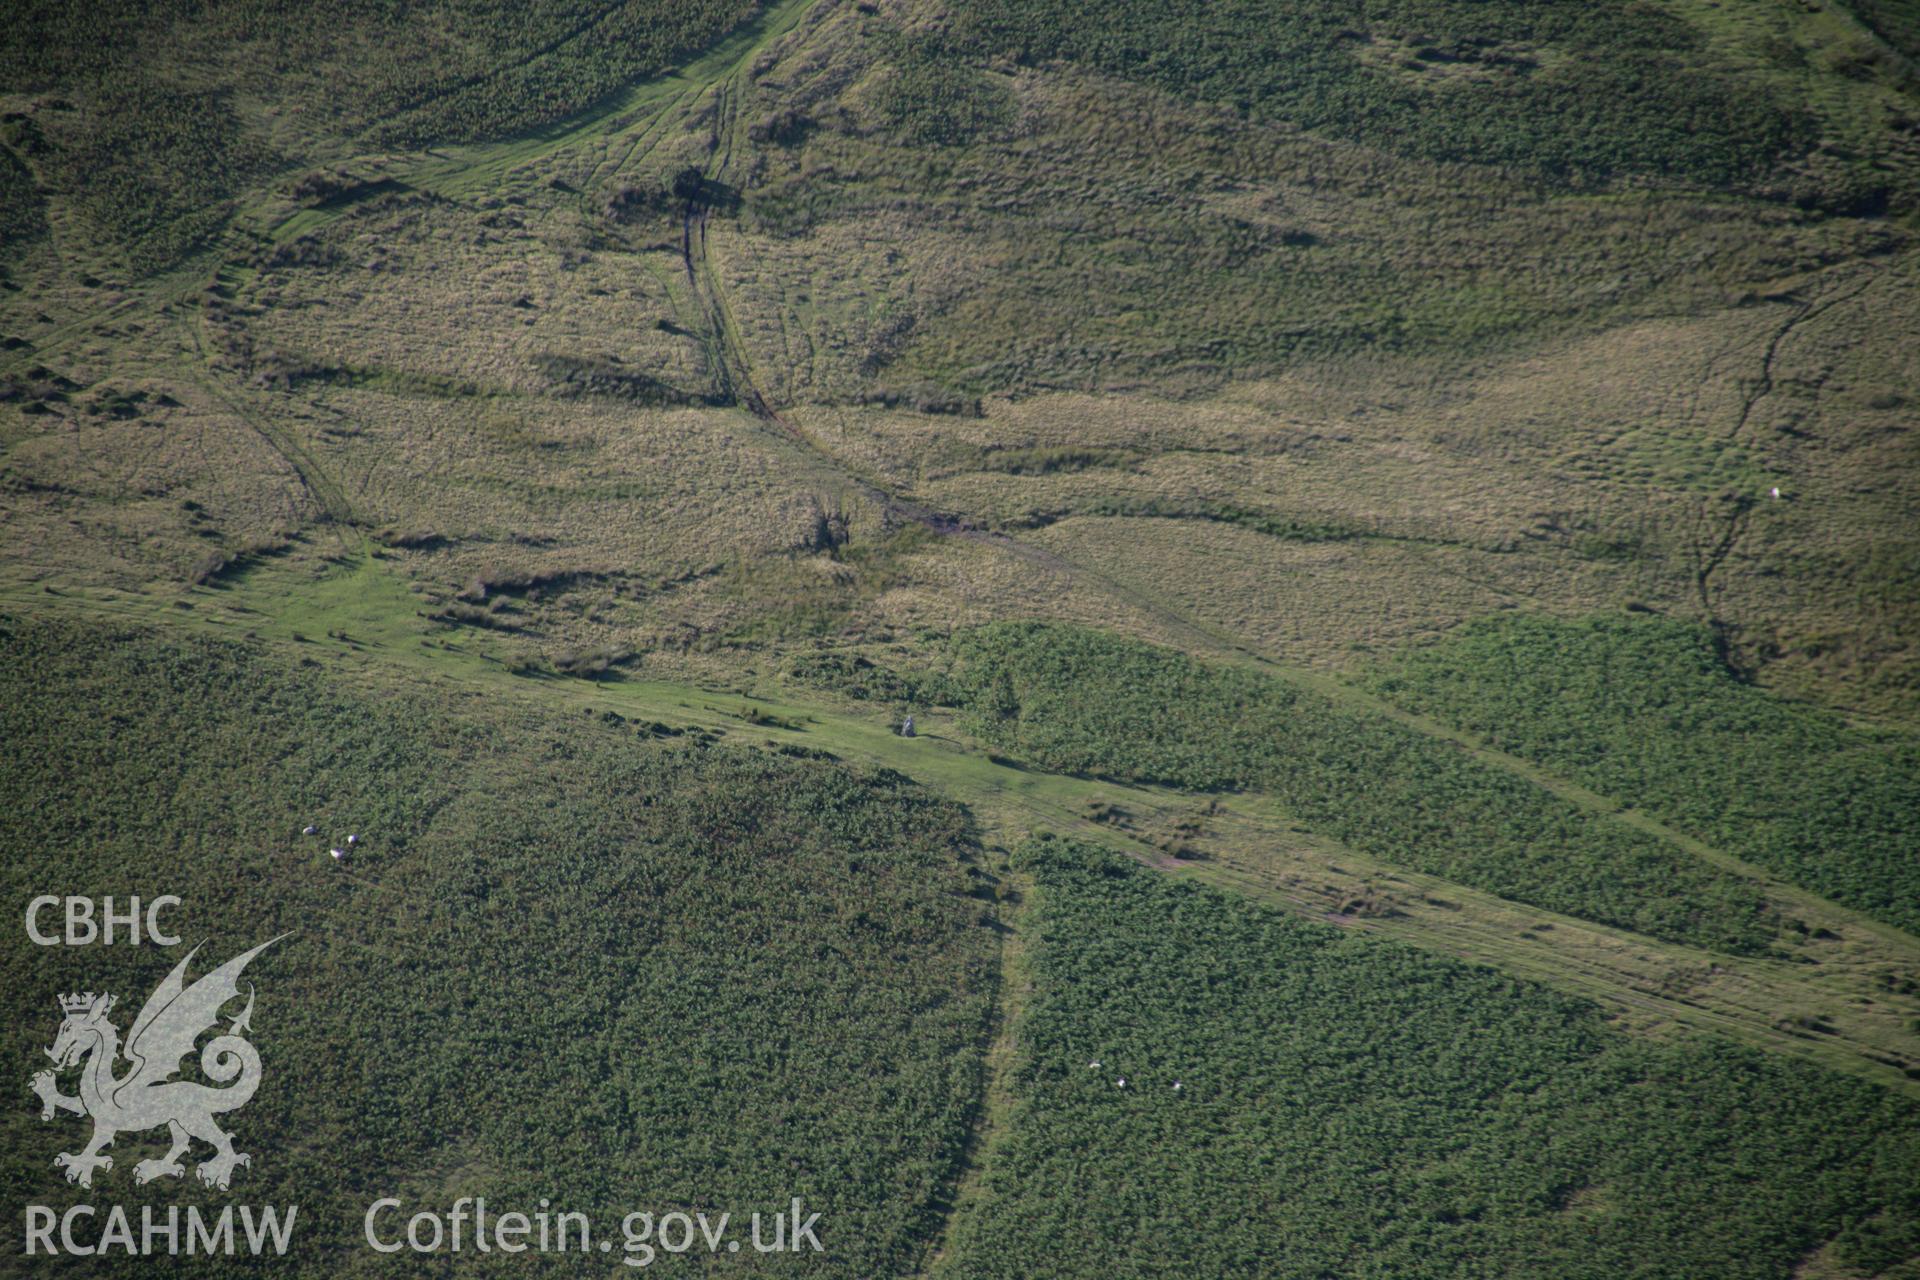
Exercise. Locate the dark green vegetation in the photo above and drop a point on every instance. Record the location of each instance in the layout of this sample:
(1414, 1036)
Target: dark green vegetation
(21, 218)
(1080, 701)
(937, 100)
(1646, 710)
(552, 428)
(158, 120)
(1895, 21)
(1571, 90)
(1351, 1107)
(564, 962)
(1273, 526)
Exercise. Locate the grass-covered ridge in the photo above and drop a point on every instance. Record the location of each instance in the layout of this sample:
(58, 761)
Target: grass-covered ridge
(1646, 710)
(155, 117)
(1566, 89)
(566, 961)
(1350, 1107)
(1081, 701)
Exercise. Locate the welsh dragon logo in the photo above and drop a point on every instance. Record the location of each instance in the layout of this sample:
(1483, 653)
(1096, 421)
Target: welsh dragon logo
(147, 1096)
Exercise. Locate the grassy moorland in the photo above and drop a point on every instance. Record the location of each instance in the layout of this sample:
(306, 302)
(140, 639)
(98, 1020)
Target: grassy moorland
(1346, 1106)
(1508, 84)
(564, 440)
(568, 959)
(1103, 310)
(164, 114)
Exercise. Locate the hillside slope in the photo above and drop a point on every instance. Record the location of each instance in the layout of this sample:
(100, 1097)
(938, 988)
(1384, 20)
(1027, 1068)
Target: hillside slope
(1440, 478)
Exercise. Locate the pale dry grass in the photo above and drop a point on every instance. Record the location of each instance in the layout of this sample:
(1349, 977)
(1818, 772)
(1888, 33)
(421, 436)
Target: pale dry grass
(1160, 307)
(1318, 603)
(473, 296)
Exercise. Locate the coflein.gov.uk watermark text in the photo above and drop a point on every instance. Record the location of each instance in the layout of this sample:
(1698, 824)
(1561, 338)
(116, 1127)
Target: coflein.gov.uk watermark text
(468, 1225)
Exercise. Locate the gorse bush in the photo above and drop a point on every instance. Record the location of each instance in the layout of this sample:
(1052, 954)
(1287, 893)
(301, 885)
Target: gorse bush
(1349, 1106)
(564, 961)
(1645, 710)
(1081, 701)
(1261, 522)
(21, 216)
(155, 168)
(862, 678)
(937, 99)
(1895, 22)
